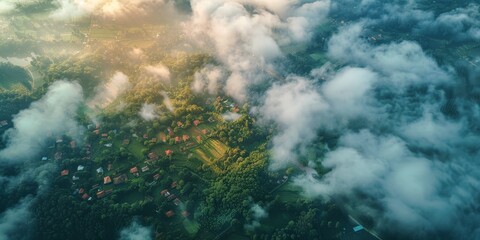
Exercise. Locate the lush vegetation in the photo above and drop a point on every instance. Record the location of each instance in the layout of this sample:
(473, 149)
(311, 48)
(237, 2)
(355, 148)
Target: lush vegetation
(188, 172)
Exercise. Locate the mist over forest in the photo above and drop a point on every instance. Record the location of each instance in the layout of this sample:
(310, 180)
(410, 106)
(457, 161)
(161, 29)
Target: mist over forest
(239, 119)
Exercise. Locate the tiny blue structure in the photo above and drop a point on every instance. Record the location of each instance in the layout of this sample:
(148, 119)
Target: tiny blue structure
(357, 228)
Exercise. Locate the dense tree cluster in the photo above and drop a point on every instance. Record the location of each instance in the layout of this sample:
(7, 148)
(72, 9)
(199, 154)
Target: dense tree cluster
(229, 194)
(59, 216)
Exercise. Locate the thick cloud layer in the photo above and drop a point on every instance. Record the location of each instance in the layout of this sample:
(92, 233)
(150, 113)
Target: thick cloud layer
(459, 23)
(136, 232)
(247, 42)
(403, 63)
(6, 7)
(295, 107)
(12, 218)
(208, 80)
(406, 128)
(51, 116)
(400, 157)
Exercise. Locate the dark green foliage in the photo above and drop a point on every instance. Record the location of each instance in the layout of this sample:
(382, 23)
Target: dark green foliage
(11, 74)
(62, 216)
(85, 71)
(12, 103)
(303, 227)
(229, 195)
(17, 47)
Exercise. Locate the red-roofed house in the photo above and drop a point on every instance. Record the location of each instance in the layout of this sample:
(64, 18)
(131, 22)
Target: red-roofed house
(64, 172)
(204, 131)
(196, 122)
(170, 213)
(85, 196)
(199, 138)
(104, 135)
(179, 124)
(81, 191)
(168, 152)
(177, 139)
(134, 171)
(107, 180)
(185, 137)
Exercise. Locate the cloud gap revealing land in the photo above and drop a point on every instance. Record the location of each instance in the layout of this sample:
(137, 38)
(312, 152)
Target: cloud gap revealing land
(239, 119)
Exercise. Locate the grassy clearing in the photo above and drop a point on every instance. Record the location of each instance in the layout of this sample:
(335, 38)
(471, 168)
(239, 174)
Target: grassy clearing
(135, 147)
(289, 193)
(210, 151)
(213, 149)
(131, 197)
(191, 164)
(192, 227)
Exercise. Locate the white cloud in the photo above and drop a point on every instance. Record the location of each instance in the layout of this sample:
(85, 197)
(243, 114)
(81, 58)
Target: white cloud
(258, 213)
(247, 42)
(6, 7)
(136, 232)
(160, 72)
(53, 115)
(296, 107)
(167, 102)
(402, 63)
(208, 79)
(13, 218)
(231, 116)
(75, 9)
(110, 91)
(147, 112)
